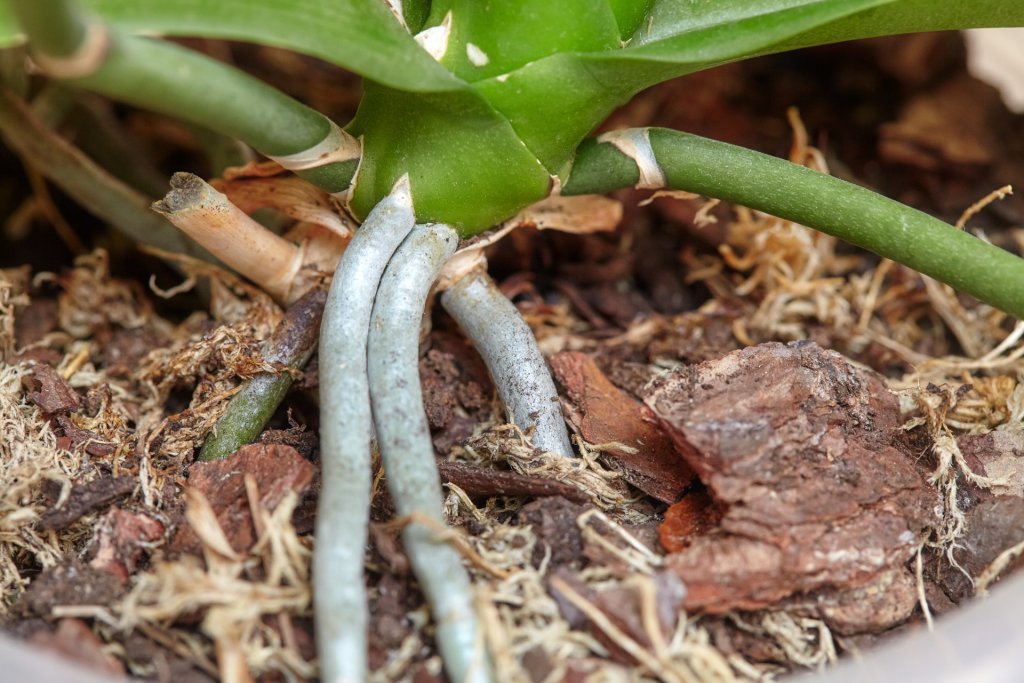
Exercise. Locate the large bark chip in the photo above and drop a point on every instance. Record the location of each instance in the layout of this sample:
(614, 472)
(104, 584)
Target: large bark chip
(794, 445)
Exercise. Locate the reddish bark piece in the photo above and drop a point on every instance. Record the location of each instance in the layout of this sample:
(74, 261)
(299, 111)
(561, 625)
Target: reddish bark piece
(86, 497)
(49, 391)
(795, 446)
(75, 641)
(888, 599)
(277, 469)
(604, 413)
(694, 515)
(120, 540)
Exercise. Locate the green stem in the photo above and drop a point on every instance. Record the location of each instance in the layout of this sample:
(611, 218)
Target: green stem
(172, 80)
(847, 211)
(291, 345)
(57, 28)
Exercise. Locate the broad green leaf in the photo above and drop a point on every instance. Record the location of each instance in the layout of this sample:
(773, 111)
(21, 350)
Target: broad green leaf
(488, 39)
(360, 35)
(466, 165)
(629, 15)
(913, 16)
(682, 36)
(699, 34)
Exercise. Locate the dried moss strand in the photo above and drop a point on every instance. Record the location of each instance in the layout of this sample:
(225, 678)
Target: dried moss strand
(844, 210)
(408, 452)
(291, 345)
(511, 353)
(346, 430)
(178, 82)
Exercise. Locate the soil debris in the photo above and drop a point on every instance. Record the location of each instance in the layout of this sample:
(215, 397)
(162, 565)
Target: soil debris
(121, 540)
(296, 436)
(558, 537)
(480, 482)
(990, 545)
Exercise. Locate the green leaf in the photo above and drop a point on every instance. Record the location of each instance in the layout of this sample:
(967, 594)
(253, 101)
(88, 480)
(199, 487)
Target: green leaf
(679, 37)
(488, 39)
(466, 165)
(912, 16)
(360, 35)
(629, 15)
(683, 36)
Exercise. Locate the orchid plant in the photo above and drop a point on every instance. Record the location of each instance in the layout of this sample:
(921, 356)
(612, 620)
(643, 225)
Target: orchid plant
(472, 112)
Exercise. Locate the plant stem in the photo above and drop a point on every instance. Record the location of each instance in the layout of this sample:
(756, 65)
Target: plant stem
(292, 344)
(208, 217)
(408, 452)
(346, 430)
(99, 192)
(57, 28)
(847, 211)
(178, 82)
(511, 353)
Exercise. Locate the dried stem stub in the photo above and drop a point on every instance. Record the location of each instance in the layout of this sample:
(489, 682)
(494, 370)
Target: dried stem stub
(208, 217)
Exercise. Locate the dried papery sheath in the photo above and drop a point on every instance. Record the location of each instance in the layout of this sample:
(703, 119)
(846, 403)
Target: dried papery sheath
(396, 9)
(435, 39)
(337, 147)
(635, 143)
(288, 195)
(206, 215)
(84, 61)
(580, 215)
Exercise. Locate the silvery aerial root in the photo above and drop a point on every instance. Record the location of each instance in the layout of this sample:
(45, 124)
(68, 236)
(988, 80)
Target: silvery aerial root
(511, 353)
(346, 431)
(408, 453)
